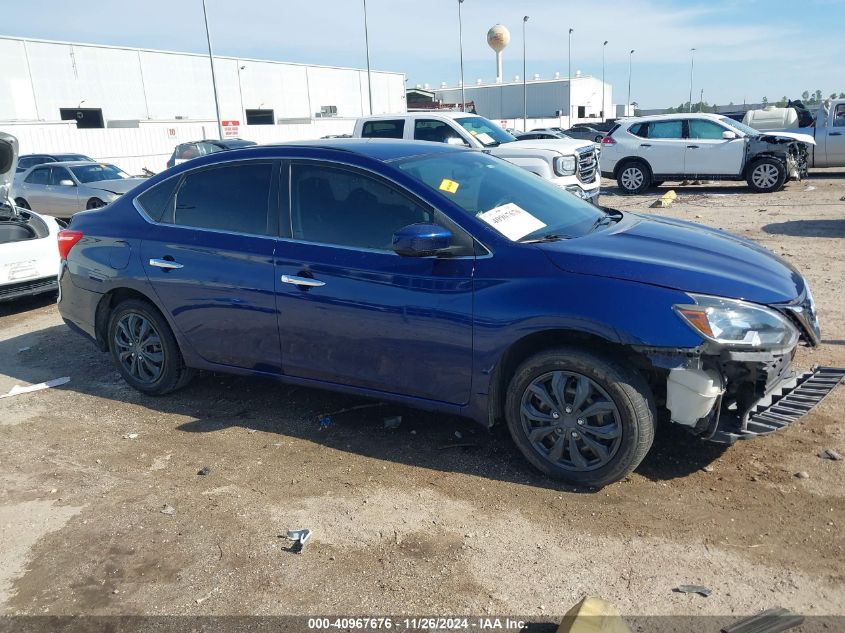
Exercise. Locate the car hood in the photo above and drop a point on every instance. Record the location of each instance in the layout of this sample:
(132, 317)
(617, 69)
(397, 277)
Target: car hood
(680, 255)
(775, 137)
(118, 186)
(8, 164)
(563, 145)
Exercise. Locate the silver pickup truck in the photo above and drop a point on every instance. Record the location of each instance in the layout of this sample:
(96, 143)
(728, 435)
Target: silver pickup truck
(568, 163)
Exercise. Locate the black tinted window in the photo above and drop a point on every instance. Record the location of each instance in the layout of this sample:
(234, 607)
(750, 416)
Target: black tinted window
(436, 132)
(384, 129)
(157, 202)
(639, 129)
(347, 208)
(38, 176)
(231, 198)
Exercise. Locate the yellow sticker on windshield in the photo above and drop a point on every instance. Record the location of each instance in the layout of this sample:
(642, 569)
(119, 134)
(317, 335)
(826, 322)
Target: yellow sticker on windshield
(449, 185)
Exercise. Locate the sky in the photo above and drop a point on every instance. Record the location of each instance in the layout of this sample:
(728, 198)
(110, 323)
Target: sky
(745, 49)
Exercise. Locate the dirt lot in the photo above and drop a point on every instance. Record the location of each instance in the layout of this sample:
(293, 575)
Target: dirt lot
(404, 522)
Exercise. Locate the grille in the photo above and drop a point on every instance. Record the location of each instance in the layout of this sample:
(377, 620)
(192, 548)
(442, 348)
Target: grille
(29, 287)
(588, 164)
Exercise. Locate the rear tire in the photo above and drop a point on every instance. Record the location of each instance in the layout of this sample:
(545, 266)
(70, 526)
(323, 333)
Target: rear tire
(23, 204)
(144, 349)
(569, 396)
(634, 177)
(766, 175)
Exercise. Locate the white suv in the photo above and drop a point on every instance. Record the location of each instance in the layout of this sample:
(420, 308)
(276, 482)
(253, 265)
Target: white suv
(644, 152)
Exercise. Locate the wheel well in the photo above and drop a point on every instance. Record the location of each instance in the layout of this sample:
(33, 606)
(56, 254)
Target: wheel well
(781, 158)
(92, 198)
(627, 161)
(534, 343)
(107, 304)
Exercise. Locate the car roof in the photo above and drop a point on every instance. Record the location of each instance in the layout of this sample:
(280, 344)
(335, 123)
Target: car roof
(382, 149)
(427, 114)
(676, 116)
(71, 163)
(225, 141)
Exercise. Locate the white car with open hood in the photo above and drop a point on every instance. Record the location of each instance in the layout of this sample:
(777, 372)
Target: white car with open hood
(29, 252)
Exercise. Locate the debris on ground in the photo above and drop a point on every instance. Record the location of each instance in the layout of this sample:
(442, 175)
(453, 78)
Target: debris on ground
(593, 615)
(461, 445)
(701, 591)
(708, 469)
(665, 200)
(768, 621)
(206, 597)
(831, 454)
(802, 474)
(300, 538)
(205, 470)
(130, 436)
(168, 509)
(369, 405)
(809, 188)
(459, 435)
(18, 390)
(24, 349)
(393, 422)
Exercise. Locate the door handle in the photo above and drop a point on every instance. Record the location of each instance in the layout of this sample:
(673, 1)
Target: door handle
(645, 144)
(835, 134)
(302, 281)
(165, 264)
(692, 146)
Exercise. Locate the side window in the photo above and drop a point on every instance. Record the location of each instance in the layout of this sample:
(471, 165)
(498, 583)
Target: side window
(157, 202)
(57, 174)
(38, 176)
(384, 129)
(436, 132)
(639, 129)
(705, 129)
(666, 129)
(230, 198)
(347, 208)
(839, 116)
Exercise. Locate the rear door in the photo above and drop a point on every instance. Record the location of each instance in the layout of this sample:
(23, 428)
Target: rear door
(834, 144)
(708, 154)
(34, 189)
(209, 257)
(664, 147)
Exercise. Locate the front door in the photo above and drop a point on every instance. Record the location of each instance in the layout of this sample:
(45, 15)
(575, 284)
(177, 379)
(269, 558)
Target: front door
(209, 258)
(665, 147)
(353, 312)
(708, 154)
(834, 144)
(63, 198)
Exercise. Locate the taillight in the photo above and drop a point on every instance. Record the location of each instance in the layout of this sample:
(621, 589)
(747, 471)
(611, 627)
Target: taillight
(67, 240)
(607, 140)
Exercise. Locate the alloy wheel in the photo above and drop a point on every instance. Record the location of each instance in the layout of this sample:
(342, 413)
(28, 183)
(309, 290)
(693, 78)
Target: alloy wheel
(765, 176)
(139, 348)
(632, 178)
(571, 421)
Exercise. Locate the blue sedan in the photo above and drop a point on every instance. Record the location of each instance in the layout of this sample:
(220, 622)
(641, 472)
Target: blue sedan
(449, 280)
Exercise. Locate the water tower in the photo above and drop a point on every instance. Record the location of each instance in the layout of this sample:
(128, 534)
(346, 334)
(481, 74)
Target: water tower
(498, 37)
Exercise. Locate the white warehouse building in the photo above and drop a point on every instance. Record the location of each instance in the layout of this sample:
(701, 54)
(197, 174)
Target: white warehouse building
(55, 95)
(546, 98)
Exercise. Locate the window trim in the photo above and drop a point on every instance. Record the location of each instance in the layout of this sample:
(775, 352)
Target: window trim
(273, 216)
(288, 221)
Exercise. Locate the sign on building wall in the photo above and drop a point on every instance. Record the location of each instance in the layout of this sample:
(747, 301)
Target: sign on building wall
(230, 128)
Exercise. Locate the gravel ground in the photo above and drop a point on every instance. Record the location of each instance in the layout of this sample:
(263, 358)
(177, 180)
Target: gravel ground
(404, 521)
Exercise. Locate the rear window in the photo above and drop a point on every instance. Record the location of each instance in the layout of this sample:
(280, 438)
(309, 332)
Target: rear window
(638, 129)
(384, 129)
(666, 129)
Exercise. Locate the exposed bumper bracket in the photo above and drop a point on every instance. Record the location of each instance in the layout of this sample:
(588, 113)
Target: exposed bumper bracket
(785, 405)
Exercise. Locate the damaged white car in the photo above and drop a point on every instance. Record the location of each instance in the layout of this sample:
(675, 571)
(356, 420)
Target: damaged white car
(29, 253)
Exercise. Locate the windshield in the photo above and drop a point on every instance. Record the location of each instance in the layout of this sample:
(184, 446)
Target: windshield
(520, 205)
(745, 129)
(98, 171)
(485, 132)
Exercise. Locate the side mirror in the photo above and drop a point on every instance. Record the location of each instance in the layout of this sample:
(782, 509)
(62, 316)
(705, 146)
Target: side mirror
(421, 240)
(67, 182)
(728, 135)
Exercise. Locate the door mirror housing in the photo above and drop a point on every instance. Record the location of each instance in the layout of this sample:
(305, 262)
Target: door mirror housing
(66, 182)
(728, 135)
(421, 240)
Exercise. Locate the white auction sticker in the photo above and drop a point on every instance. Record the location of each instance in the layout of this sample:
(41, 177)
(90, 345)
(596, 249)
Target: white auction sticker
(512, 221)
(485, 138)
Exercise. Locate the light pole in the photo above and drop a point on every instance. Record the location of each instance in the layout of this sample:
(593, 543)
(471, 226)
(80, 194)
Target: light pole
(524, 82)
(213, 77)
(630, 67)
(461, 41)
(241, 93)
(603, 113)
(569, 62)
(367, 45)
(691, 67)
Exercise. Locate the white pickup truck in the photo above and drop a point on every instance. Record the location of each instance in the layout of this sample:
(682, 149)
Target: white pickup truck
(828, 131)
(568, 163)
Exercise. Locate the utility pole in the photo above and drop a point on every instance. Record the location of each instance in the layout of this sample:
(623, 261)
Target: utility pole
(367, 45)
(603, 113)
(524, 80)
(569, 71)
(630, 67)
(213, 77)
(691, 67)
(461, 40)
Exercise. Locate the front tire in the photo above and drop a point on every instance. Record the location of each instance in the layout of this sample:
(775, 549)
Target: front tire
(579, 416)
(634, 177)
(144, 349)
(766, 175)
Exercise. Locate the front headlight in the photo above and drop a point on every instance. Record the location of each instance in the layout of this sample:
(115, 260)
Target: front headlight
(737, 323)
(564, 165)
